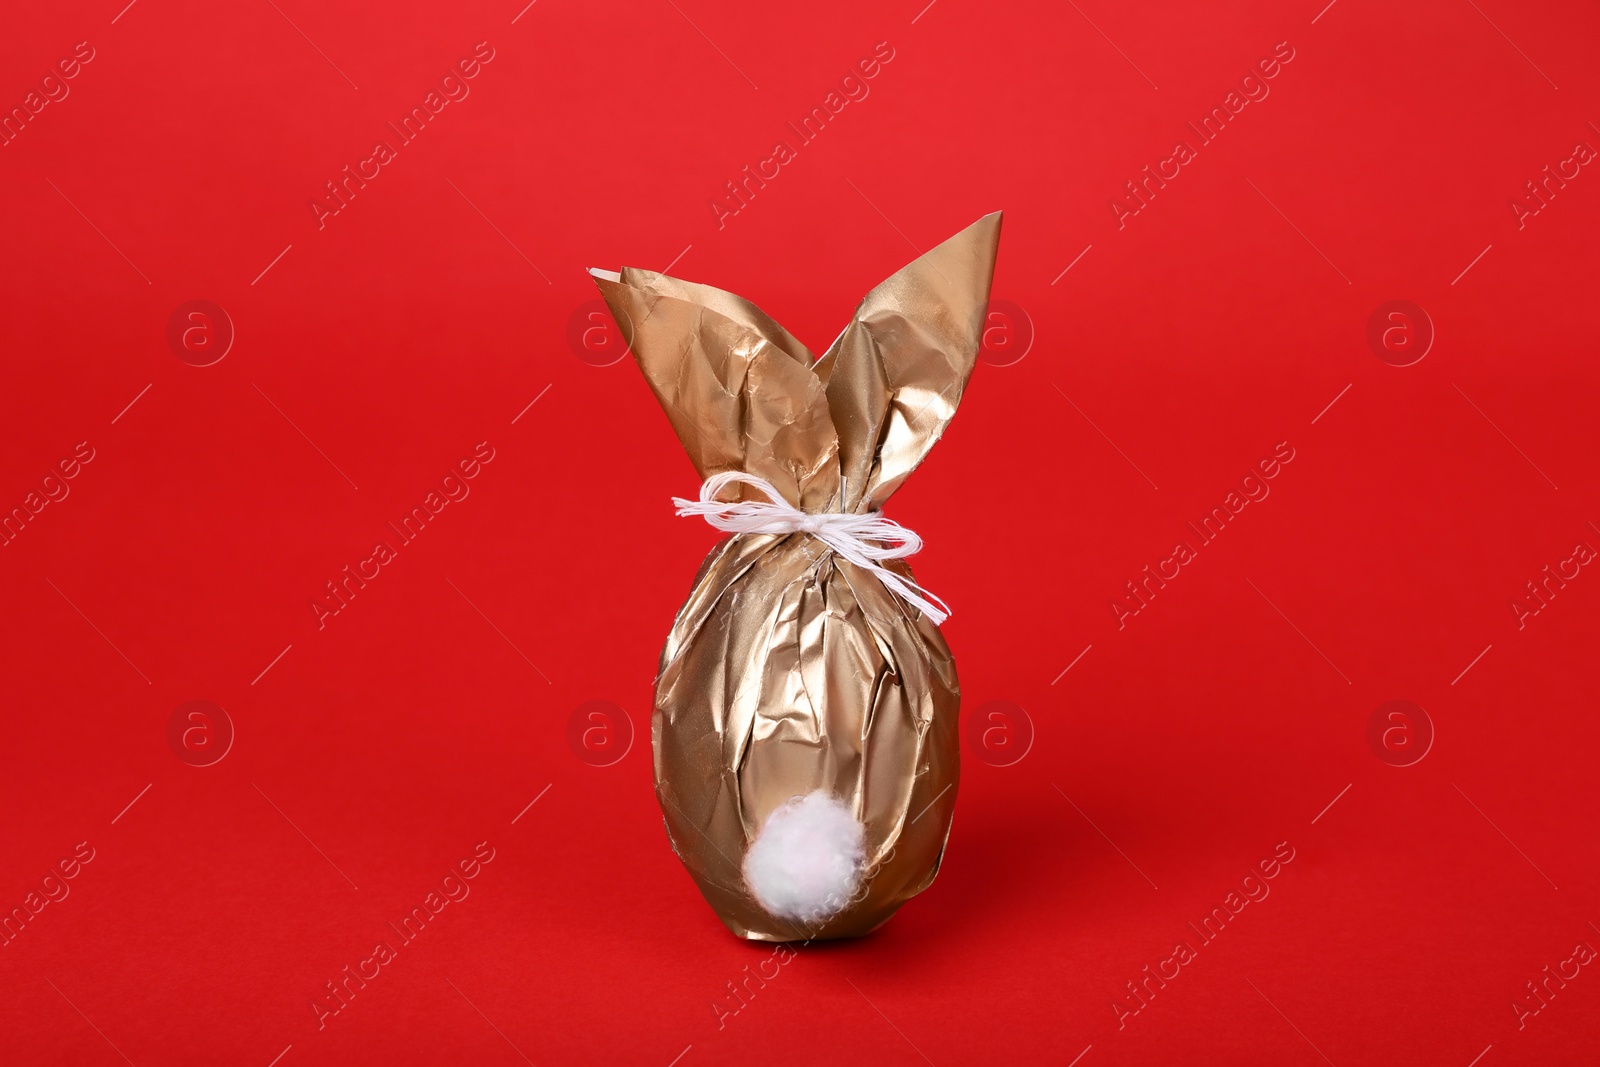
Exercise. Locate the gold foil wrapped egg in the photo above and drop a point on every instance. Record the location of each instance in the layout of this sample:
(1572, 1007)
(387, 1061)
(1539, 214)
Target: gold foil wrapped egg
(805, 724)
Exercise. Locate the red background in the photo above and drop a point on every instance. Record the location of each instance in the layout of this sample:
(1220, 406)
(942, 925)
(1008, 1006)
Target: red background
(1176, 352)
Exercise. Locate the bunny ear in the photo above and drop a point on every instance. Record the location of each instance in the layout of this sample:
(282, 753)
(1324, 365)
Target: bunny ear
(897, 371)
(729, 305)
(737, 387)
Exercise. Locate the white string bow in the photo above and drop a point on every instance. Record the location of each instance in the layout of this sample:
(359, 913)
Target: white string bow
(861, 539)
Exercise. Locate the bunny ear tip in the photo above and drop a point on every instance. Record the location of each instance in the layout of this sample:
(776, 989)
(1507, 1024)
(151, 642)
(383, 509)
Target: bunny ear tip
(605, 275)
(986, 225)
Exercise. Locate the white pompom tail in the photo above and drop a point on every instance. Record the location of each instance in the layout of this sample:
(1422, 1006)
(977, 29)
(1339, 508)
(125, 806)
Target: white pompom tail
(807, 860)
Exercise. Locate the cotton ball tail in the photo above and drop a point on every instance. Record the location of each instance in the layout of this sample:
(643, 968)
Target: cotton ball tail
(806, 862)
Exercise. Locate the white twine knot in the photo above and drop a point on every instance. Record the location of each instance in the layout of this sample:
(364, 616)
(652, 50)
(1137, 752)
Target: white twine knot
(862, 539)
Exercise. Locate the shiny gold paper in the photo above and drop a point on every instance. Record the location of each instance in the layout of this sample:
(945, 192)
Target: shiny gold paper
(789, 669)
